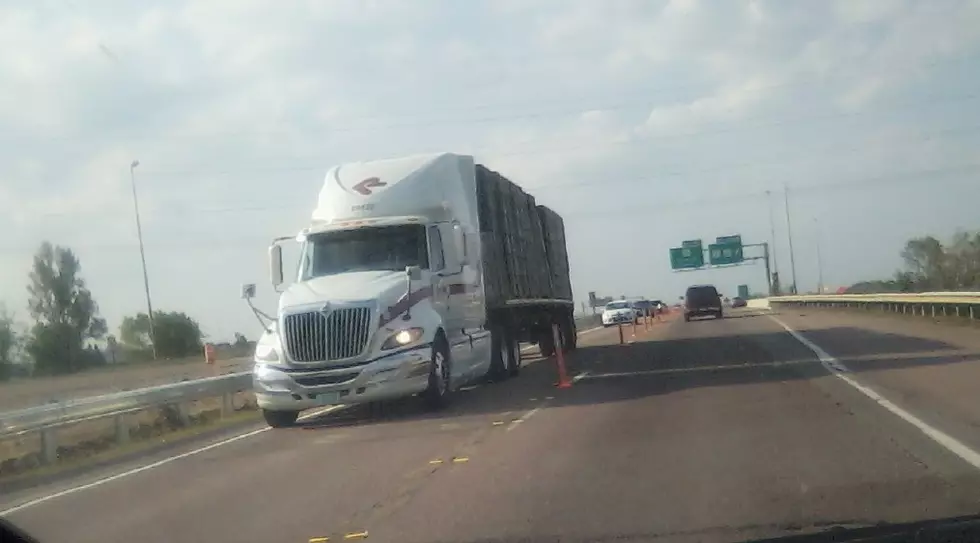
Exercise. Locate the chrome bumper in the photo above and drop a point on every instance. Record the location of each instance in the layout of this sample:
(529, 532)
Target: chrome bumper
(388, 377)
(618, 319)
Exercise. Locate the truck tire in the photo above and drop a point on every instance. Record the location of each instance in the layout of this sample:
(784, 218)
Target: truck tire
(570, 335)
(514, 361)
(280, 419)
(436, 395)
(499, 354)
(546, 343)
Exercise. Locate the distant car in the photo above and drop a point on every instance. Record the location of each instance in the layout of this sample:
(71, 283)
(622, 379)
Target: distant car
(643, 308)
(739, 302)
(617, 312)
(701, 300)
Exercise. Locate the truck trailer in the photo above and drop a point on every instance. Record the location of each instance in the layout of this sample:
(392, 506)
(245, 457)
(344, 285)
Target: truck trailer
(417, 275)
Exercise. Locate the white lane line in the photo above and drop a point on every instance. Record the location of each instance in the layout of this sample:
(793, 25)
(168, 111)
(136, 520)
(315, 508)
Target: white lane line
(517, 422)
(945, 440)
(158, 463)
(524, 417)
(695, 369)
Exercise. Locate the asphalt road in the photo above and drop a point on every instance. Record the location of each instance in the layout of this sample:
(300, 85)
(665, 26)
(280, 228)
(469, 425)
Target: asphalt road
(720, 430)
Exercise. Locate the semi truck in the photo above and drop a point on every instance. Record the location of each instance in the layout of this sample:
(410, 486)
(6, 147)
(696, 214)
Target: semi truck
(417, 276)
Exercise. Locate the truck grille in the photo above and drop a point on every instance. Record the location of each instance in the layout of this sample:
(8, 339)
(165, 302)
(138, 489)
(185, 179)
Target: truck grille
(315, 337)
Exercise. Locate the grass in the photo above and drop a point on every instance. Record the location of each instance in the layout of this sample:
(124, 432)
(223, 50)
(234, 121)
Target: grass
(134, 449)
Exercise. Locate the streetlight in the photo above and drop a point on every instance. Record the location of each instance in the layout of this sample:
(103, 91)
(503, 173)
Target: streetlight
(772, 238)
(139, 233)
(789, 234)
(816, 224)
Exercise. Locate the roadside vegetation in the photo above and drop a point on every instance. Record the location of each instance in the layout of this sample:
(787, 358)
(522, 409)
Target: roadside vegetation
(931, 265)
(66, 334)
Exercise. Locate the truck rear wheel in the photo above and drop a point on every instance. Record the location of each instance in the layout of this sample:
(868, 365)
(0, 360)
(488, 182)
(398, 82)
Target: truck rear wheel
(514, 360)
(569, 335)
(280, 419)
(546, 342)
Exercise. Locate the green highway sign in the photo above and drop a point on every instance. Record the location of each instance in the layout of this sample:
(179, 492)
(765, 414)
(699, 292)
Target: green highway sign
(743, 292)
(720, 254)
(691, 243)
(687, 258)
(734, 240)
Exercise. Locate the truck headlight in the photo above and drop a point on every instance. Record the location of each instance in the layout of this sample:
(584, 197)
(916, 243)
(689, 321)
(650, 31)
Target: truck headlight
(266, 373)
(402, 338)
(266, 353)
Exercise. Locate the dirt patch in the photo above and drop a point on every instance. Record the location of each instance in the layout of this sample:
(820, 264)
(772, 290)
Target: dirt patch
(23, 393)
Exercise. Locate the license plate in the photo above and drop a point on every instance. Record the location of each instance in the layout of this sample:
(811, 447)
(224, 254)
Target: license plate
(327, 398)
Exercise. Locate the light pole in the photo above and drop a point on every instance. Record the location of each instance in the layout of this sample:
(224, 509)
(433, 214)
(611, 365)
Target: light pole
(772, 239)
(139, 234)
(789, 234)
(816, 224)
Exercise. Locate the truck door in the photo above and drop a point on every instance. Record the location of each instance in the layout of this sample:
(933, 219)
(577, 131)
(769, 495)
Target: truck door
(474, 349)
(442, 281)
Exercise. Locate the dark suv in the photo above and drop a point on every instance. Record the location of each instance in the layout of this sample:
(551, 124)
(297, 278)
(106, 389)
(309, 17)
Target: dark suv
(701, 300)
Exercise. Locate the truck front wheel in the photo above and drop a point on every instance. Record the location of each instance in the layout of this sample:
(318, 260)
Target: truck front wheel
(436, 396)
(280, 419)
(499, 354)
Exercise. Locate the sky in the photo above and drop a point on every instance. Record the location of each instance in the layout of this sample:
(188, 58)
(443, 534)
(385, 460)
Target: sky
(644, 123)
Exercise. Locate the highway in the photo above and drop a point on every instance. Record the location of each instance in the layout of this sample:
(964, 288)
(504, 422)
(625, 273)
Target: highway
(715, 430)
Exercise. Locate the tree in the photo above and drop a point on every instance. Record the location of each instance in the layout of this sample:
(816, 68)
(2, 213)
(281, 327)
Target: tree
(176, 333)
(930, 265)
(240, 340)
(8, 339)
(925, 259)
(64, 312)
(963, 260)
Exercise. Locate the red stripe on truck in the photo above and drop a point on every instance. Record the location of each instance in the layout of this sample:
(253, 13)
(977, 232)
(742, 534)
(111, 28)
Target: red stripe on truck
(417, 296)
(405, 304)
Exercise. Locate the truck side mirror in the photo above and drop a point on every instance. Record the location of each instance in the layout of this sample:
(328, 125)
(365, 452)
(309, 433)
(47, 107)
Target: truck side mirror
(414, 272)
(275, 265)
(459, 244)
(248, 291)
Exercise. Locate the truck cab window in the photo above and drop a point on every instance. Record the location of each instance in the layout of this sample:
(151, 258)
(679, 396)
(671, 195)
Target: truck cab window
(365, 249)
(437, 257)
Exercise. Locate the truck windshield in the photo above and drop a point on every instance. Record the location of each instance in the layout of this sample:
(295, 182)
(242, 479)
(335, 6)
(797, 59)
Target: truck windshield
(364, 249)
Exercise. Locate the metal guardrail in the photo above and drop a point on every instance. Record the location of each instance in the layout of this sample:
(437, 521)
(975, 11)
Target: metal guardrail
(47, 418)
(960, 304)
(65, 412)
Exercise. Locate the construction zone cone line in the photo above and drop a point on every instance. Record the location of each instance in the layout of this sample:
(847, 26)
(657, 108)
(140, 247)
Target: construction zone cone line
(563, 380)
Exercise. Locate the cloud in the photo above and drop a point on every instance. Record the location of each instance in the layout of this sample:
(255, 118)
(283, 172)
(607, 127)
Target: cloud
(235, 110)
